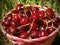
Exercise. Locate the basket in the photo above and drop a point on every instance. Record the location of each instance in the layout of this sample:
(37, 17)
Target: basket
(46, 40)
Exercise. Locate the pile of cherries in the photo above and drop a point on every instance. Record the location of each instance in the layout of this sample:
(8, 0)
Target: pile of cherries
(29, 22)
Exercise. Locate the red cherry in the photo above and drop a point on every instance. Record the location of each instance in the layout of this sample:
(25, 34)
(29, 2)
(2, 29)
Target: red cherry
(15, 23)
(33, 25)
(9, 17)
(36, 9)
(39, 22)
(50, 30)
(23, 35)
(56, 22)
(16, 32)
(25, 28)
(33, 17)
(41, 14)
(22, 14)
(6, 23)
(34, 12)
(12, 28)
(34, 34)
(24, 21)
(6, 29)
(28, 13)
(42, 27)
(16, 17)
(18, 7)
(43, 33)
(50, 13)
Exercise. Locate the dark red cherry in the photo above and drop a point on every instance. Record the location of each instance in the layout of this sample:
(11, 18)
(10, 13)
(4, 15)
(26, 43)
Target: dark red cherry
(39, 22)
(16, 32)
(36, 9)
(43, 33)
(14, 23)
(23, 35)
(16, 17)
(18, 7)
(6, 23)
(56, 22)
(24, 21)
(22, 14)
(33, 12)
(6, 29)
(28, 13)
(41, 14)
(42, 27)
(50, 13)
(9, 17)
(12, 28)
(50, 30)
(34, 34)
(33, 25)
(34, 17)
(25, 28)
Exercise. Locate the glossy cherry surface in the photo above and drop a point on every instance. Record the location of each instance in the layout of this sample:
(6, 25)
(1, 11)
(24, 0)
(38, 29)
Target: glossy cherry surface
(24, 21)
(23, 35)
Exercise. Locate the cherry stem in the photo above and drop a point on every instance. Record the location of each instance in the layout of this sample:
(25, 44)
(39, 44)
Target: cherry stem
(25, 14)
(29, 37)
(23, 26)
(31, 26)
(46, 25)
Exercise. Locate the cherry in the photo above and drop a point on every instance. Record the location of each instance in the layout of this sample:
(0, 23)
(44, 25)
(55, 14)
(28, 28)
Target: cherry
(28, 13)
(50, 30)
(25, 28)
(36, 9)
(15, 23)
(22, 14)
(34, 17)
(42, 27)
(12, 28)
(34, 34)
(16, 32)
(56, 22)
(33, 25)
(33, 12)
(18, 7)
(6, 29)
(41, 14)
(23, 35)
(9, 17)
(24, 21)
(43, 33)
(6, 23)
(39, 22)
(16, 17)
(50, 13)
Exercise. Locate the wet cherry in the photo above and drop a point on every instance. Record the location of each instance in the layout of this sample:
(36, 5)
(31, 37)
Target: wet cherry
(24, 21)
(43, 33)
(23, 35)
(34, 34)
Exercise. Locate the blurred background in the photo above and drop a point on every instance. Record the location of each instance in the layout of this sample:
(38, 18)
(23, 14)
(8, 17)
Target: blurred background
(6, 5)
